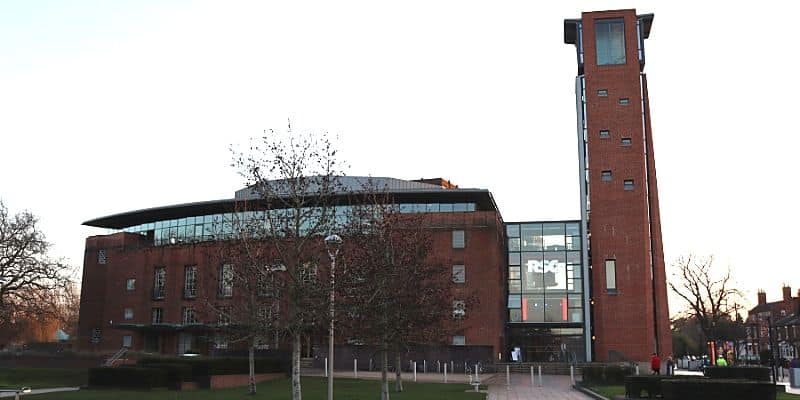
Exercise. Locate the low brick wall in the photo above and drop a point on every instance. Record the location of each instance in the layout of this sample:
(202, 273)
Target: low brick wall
(229, 381)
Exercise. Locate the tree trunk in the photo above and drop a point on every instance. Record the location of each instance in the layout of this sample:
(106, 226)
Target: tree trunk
(296, 392)
(252, 361)
(384, 374)
(398, 383)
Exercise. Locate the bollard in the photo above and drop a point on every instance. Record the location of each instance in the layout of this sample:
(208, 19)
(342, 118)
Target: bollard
(445, 373)
(326, 366)
(452, 366)
(465, 367)
(532, 380)
(540, 376)
(572, 375)
(355, 367)
(508, 377)
(370, 365)
(636, 368)
(415, 371)
(424, 366)
(438, 367)
(477, 377)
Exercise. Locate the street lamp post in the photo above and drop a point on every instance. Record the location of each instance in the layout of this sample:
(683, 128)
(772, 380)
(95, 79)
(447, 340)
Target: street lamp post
(332, 242)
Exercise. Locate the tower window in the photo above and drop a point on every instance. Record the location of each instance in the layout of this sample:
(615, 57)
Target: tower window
(628, 184)
(602, 93)
(605, 176)
(605, 134)
(610, 41)
(624, 101)
(611, 275)
(626, 141)
(458, 239)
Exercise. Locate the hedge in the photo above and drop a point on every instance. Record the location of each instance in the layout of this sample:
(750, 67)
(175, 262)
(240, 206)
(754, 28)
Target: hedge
(749, 373)
(201, 367)
(175, 373)
(608, 374)
(716, 389)
(127, 377)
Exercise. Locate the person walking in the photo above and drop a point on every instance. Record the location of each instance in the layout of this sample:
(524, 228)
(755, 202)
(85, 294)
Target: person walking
(670, 365)
(721, 361)
(655, 364)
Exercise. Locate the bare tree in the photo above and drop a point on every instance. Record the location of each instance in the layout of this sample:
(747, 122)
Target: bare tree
(294, 176)
(29, 278)
(397, 292)
(710, 295)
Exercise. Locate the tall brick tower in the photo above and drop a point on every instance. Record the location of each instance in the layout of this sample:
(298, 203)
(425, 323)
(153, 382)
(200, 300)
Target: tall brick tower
(619, 195)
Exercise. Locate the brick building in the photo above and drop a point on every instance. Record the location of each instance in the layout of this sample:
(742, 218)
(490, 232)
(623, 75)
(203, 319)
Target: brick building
(591, 289)
(619, 193)
(775, 323)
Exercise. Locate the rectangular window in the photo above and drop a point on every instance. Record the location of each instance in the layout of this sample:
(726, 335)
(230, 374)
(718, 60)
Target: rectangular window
(605, 176)
(610, 41)
(127, 341)
(459, 309)
(624, 101)
(226, 280)
(128, 313)
(611, 275)
(101, 257)
(605, 134)
(157, 315)
(458, 239)
(159, 282)
(459, 274)
(188, 316)
(626, 141)
(190, 281)
(224, 316)
(602, 93)
(130, 284)
(459, 340)
(628, 184)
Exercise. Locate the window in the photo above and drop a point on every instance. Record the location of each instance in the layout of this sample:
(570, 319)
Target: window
(226, 280)
(624, 101)
(459, 274)
(130, 284)
(458, 239)
(605, 176)
(127, 341)
(190, 281)
(459, 340)
(128, 313)
(459, 309)
(628, 184)
(157, 316)
(159, 282)
(224, 316)
(611, 275)
(188, 316)
(610, 41)
(602, 93)
(626, 141)
(605, 134)
(101, 257)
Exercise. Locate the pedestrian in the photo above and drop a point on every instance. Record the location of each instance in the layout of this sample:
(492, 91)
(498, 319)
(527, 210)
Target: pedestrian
(721, 362)
(670, 365)
(655, 364)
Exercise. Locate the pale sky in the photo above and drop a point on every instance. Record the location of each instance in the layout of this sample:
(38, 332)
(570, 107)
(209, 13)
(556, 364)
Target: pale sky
(113, 106)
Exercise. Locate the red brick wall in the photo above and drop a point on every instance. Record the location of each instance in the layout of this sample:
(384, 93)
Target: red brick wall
(618, 221)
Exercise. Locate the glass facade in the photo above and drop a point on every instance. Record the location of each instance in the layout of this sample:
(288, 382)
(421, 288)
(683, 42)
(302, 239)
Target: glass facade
(545, 290)
(221, 226)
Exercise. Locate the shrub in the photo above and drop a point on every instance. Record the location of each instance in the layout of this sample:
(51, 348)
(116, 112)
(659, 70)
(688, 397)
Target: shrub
(749, 373)
(127, 377)
(606, 374)
(716, 389)
(202, 367)
(175, 373)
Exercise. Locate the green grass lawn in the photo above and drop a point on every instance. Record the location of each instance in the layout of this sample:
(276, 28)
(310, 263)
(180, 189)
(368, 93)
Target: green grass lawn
(611, 391)
(313, 389)
(42, 377)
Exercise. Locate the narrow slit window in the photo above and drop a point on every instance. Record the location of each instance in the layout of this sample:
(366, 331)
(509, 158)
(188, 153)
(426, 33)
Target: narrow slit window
(611, 275)
(605, 176)
(602, 93)
(626, 141)
(605, 134)
(624, 101)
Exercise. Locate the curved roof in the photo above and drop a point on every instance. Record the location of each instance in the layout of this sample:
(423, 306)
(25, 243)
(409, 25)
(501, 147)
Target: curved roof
(402, 191)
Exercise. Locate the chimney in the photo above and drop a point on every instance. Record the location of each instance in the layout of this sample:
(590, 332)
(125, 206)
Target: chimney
(762, 297)
(787, 292)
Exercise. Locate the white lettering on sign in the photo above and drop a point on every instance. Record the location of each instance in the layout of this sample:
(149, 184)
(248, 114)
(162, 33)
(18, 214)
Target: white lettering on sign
(554, 271)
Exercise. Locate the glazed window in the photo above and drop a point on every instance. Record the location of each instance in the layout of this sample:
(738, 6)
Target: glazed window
(610, 41)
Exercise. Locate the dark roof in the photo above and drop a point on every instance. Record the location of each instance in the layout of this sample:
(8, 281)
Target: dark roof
(401, 191)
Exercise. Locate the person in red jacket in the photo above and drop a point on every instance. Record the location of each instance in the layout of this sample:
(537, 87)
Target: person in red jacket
(655, 364)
